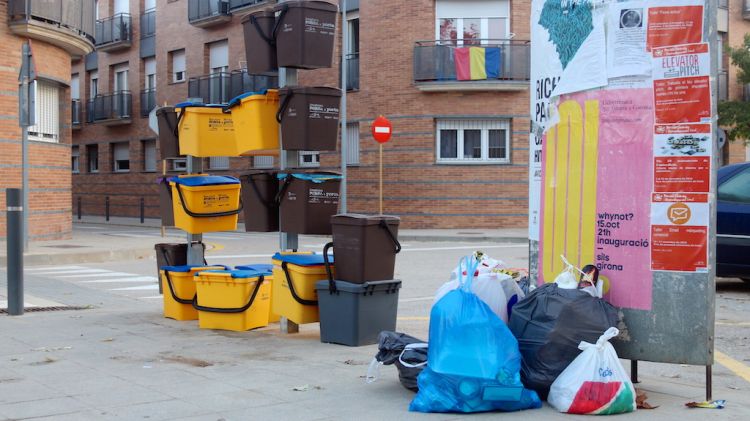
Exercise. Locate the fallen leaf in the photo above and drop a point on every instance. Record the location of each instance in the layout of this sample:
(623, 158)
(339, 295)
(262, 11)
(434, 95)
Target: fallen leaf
(640, 400)
(108, 340)
(303, 388)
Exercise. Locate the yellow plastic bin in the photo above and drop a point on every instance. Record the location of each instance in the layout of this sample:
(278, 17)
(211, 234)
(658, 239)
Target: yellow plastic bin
(179, 290)
(294, 290)
(235, 300)
(205, 203)
(267, 270)
(256, 130)
(205, 130)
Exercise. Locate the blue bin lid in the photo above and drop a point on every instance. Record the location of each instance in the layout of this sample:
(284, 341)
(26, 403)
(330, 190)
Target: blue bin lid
(314, 177)
(238, 99)
(237, 274)
(185, 268)
(197, 104)
(205, 180)
(258, 267)
(302, 259)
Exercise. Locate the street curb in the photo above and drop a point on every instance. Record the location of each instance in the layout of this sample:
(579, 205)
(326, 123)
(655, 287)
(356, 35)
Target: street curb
(447, 238)
(76, 258)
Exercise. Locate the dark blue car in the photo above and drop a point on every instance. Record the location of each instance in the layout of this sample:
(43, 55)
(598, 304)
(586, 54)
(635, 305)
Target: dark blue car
(733, 222)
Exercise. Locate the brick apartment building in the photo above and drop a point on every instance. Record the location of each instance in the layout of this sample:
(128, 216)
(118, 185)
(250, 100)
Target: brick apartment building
(459, 153)
(736, 14)
(58, 30)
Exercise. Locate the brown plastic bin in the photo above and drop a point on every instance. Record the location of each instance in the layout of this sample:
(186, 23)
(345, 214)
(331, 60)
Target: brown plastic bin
(365, 246)
(307, 201)
(261, 210)
(309, 118)
(260, 43)
(171, 254)
(305, 34)
(165, 203)
(169, 146)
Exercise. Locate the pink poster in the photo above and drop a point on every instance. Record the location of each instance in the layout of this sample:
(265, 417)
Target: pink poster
(597, 172)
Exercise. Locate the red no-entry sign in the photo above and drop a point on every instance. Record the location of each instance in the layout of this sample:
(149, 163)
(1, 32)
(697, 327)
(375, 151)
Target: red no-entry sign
(381, 129)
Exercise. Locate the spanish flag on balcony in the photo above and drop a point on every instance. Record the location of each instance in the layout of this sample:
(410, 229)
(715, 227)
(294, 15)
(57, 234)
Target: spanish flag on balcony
(477, 63)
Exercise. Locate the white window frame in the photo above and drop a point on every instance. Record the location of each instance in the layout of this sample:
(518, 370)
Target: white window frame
(179, 65)
(149, 73)
(263, 162)
(149, 155)
(75, 159)
(476, 9)
(179, 165)
(93, 84)
(218, 163)
(352, 143)
(47, 111)
(94, 157)
(117, 150)
(485, 125)
(315, 156)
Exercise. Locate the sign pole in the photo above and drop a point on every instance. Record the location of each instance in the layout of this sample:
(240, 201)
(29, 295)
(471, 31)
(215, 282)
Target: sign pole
(381, 132)
(26, 118)
(381, 178)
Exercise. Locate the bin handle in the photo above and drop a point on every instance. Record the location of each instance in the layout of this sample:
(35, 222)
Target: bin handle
(282, 190)
(284, 105)
(205, 215)
(387, 228)
(176, 129)
(171, 290)
(296, 297)
(199, 307)
(269, 204)
(277, 24)
(269, 40)
(331, 283)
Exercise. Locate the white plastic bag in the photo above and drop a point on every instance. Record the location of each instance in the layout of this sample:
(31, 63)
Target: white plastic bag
(595, 382)
(568, 279)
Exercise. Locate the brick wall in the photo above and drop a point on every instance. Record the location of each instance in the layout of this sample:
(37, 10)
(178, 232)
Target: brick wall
(49, 174)
(426, 194)
(738, 27)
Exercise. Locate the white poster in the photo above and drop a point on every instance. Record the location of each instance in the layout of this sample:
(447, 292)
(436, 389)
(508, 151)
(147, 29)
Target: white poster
(626, 40)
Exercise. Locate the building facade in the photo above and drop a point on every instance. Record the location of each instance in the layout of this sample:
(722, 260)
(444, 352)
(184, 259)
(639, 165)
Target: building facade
(459, 152)
(58, 30)
(734, 15)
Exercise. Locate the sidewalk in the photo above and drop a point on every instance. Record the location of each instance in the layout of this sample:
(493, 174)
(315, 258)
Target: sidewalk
(93, 246)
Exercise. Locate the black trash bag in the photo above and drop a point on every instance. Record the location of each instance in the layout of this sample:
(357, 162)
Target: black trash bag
(549, 324)
(390, 347)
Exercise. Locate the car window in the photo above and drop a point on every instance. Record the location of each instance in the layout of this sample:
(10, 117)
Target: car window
(737, 188)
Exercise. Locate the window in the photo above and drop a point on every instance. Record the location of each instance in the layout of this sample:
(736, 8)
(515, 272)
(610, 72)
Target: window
(352, 51)
(149, 155)
(352, 143)
(473, 141)
(122, 6)
(469, 23)
(121, 157)
(47, 110)
(218, 163)
(179, 164)
(93, 84)
(737, 188)
(75, 157)
(309, 159)
(178, 65)
(149, 73)
(263, 162)
(75, 87)
(92, 155)
(120, 80)
(218, 64)
(149, 4)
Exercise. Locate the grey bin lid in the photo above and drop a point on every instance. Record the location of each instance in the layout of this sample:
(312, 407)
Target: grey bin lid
(370, 286)
(359, 219)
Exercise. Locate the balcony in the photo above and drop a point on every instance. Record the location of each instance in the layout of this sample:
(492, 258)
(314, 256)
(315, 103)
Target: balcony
(68, 24)
(75, 113)
(219, 88)
(435, 68)
(746, 9)
(148, 101)
(114, 33)
(247, 5)
(110, 109)
(206, 13)
(148, 34)
(352, 72)
(723, 85)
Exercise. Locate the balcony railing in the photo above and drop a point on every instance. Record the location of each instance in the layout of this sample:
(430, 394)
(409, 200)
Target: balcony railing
(148, 101)
(746, 9)
(69, 24)
(204, 13)
(723, 85)
(235, 5)
(148, 23)
(114, 32)
(75, 113)
(114, 108)
(352, 72)
(436, 67)
(219, 88)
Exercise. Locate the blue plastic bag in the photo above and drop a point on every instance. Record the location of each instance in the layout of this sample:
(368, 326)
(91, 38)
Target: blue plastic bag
(473, 362)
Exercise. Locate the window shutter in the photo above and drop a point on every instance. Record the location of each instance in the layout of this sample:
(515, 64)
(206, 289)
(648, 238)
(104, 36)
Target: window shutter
(352, 143)
(178, 61)
(47, 109)
(263, 162)
(121, 152)
(219, 54)
(149, 155)
(218, 163)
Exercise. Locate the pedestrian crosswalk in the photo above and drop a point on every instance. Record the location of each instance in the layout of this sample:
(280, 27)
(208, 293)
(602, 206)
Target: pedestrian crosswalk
(134, 285)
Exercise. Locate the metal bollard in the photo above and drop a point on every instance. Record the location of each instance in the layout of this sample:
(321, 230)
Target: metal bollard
(79, 209)
(13, 200)
(143, 210)
(106, 208)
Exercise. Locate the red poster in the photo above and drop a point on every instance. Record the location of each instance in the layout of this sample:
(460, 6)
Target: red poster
(676, 25)
(679, 248)
(682, 174)
(682, 100)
